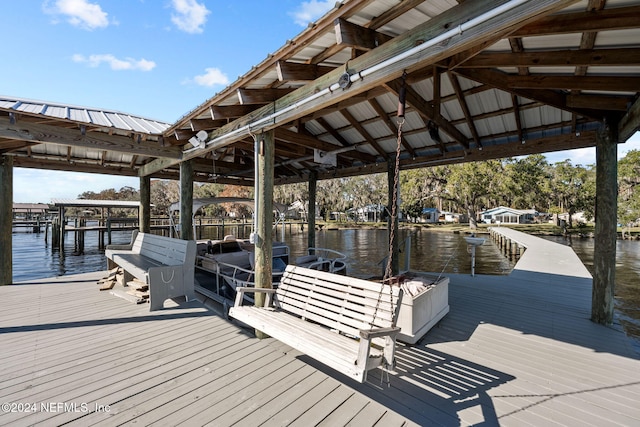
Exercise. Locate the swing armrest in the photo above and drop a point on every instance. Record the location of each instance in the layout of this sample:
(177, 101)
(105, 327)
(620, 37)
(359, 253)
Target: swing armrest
(240, 291)
(379, 332)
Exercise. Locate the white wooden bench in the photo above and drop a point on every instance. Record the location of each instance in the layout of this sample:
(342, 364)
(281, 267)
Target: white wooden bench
(167, 265)
(328, 317)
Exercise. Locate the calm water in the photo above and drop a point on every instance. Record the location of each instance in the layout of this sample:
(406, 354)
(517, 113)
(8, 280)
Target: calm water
(365, 249)
(627, 276)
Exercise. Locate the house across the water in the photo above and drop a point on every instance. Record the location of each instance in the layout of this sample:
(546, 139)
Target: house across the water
(505, 215)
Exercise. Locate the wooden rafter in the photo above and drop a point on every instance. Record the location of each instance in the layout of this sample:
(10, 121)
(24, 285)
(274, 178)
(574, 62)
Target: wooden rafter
(331, 131)
(498, 80)
(465, 108)
(312, 142)
(42, 133)
(230, 111)
(555, 58)
(355, 36)
(386, 119)
(260, 96)
(291, 71)
(580, 22)
(427, 111)
(362, 131)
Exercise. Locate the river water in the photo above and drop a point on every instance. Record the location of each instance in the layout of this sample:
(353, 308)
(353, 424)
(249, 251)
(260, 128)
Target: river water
(440, 252)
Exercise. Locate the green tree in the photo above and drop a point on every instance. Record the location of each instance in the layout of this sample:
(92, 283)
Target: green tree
(421, 188)
(629, 188)
(163, 194)
(574, 188)
(471, 185)
(527, 183)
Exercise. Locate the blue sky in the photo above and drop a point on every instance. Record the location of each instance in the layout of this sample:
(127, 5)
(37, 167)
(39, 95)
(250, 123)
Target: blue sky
(154, 58)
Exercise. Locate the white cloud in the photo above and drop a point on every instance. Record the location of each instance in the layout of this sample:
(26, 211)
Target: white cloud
(211, 77)
(80, 13)
(115, 63)
(310, 11)
(190, 16)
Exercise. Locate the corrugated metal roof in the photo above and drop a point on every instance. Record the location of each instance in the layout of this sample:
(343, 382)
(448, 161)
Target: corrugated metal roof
(94, 203)
(94, 116)
(482, 109)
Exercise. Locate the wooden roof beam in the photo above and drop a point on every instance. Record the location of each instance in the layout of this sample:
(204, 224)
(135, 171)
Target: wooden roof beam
(40, 133)
(10, 145)
(517, 117)
(465, 108)
(604, 102)
(206, 124)
(555, 58)
(395, 12)
(489, 30)
(355, 36)
(331, 131)
(293, 71)
(499, 80)
(230, 111)
(304, 140)
(261, 96)
(427, 111)
(594, 20)
(362, 131)
(630, 122)
(601, 83)
(391, 125)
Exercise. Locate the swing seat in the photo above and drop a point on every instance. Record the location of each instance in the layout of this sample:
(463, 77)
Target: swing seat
(342, 322)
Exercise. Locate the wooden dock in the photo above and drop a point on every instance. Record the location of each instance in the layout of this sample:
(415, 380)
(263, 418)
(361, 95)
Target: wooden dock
(514, 350)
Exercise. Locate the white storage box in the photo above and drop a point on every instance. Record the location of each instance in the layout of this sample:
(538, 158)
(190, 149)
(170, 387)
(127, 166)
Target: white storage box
(422, 306)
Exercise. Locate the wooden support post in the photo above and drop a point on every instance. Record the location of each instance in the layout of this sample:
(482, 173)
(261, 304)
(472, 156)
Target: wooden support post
(145, 204)
(264, 213)
(311, 214)
(108, 226)
(604, 255)
(186, 200)
(6, 219)
(62, 225)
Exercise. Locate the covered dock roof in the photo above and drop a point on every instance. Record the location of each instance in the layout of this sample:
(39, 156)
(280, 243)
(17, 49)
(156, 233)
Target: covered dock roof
(483, 80)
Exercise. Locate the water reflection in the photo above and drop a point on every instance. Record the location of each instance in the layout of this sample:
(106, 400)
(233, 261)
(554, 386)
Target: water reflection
(627, 288)
(430, 251)
(365, 249)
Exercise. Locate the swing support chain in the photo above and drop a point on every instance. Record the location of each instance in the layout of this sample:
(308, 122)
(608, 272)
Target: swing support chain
(392, 229)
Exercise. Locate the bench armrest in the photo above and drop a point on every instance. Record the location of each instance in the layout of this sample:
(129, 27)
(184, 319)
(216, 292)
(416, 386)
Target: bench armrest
(127, 246)
(378, 332)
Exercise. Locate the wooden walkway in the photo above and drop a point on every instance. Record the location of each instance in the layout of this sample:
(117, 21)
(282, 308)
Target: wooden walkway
(514, 350)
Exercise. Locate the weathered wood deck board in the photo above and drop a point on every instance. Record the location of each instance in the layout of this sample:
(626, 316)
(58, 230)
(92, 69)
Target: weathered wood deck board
(96, 362)
(145, 366)
(516, 350)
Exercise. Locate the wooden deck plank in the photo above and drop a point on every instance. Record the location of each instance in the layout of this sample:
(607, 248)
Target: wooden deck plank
(516, 350)
(158, 397)
(99, 362)
(252, 404)
(272, 406)
(222, 394)
(302, 404)
(94, 385)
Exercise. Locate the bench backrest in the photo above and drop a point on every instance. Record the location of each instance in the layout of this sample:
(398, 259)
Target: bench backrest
(165, 250)
(343, 303)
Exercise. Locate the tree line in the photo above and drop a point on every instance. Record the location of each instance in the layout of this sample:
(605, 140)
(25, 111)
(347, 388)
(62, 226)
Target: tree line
(521, 183)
